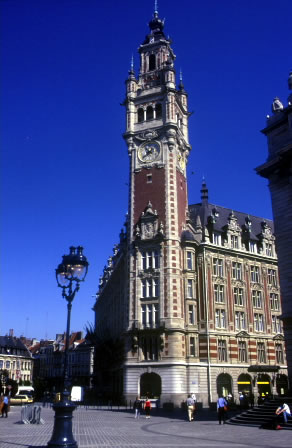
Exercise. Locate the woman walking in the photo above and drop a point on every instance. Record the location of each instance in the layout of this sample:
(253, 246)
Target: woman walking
(147, 407)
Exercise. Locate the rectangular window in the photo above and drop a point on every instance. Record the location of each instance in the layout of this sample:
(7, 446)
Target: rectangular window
(238, 296)
(261, 352)
(149, 314)
(276, 324)
(255, 274)
(150, 259)
(253, 247)
(274, 301)
(150, 288)
(190, 265)
(149, 178)
(234, 241)
(190, 289)
(217, 239)
(240, 320)
(1, 363)
(150, 349)
(236, 271)
(258, 322)
(279, 354)
(272, 277)
(191, 314)
(222, 352)
(257, 299)
(269, 250)
(218, 267)
(242, 353)
(220, 318)
(192, 346)
(219, 293)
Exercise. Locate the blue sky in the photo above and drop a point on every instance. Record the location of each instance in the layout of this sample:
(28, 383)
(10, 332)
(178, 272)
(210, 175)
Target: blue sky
(64, 164)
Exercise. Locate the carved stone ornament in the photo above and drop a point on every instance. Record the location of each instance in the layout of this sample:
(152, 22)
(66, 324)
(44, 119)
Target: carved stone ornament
(148, 227)
(147, 135)
(266, 232)
(242, 334)
(232, 223)
(278, 337)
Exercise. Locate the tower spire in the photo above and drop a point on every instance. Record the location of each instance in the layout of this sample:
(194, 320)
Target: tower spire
(204, 192)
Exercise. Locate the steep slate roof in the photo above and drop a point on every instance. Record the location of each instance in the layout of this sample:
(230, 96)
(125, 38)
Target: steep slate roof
(10, 342)
(205, 209)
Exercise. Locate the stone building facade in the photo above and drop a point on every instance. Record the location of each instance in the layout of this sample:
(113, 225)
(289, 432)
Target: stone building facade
(15, 359)
(278, 170)
(192, 289)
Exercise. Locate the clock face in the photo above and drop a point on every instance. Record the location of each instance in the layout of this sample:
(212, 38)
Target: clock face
(149, 152)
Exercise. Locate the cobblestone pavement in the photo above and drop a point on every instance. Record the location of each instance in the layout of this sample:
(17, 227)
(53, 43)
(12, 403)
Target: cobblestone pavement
(118, 429)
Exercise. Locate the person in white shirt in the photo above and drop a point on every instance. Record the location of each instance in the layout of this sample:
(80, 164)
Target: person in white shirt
(285, 410)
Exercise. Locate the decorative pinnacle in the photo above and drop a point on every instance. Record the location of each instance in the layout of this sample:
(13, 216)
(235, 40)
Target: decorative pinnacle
(180, 75)
(132, 63)
(155, 8)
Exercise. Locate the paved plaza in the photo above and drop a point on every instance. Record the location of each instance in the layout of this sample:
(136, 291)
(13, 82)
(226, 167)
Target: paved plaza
(118, 428)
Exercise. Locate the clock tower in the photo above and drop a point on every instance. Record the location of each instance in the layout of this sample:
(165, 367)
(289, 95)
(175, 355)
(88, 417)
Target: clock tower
(158, 147)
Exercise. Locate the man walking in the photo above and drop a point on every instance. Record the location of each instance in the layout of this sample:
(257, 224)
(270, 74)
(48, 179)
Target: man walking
(221, 409)
(190, 406)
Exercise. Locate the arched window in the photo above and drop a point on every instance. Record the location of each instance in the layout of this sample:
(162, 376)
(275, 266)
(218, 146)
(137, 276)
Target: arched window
(149, 113)
(224, 385)
(152, 62)
(158, 110)
(140, 115)
(244, 384)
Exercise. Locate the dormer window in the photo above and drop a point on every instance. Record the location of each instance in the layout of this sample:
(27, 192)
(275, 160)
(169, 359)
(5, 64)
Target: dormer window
(217, 239)
(253, 247)
(234, 241)
(269, 249)
(152, 62)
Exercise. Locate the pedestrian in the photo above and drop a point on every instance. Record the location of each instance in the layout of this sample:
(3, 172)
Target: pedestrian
(147, 407)
(285, 410)
(221, 409)
(5, 406)
(190, 407)
(137, 407)
(251, 400)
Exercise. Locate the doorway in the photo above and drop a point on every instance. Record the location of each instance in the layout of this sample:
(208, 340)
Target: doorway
(150, 385)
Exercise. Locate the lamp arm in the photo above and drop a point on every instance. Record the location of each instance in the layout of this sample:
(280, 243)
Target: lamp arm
(69, 296)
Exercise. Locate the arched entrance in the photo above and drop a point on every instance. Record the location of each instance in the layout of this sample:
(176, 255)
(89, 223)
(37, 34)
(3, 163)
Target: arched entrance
(224, 384)
(150, 385)
(244, 384)
(281, 384)
(264, 385)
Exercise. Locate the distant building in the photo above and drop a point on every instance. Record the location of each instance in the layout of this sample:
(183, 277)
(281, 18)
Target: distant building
(49, 361)
(192, 289)
(278, 170)
(15, 358)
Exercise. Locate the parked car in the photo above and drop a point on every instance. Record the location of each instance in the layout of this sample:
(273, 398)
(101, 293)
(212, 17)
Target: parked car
(21, 399)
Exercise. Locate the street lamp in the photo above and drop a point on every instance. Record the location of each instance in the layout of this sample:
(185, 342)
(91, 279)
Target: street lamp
(69, 274)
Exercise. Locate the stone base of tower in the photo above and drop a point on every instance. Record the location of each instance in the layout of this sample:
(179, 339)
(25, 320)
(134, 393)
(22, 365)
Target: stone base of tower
(169, 384)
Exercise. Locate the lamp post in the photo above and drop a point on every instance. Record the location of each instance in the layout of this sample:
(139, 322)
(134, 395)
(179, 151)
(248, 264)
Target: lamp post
(69, 274)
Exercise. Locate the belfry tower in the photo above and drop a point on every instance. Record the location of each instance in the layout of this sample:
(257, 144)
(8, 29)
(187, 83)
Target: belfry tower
(190, 295)
(157, 139)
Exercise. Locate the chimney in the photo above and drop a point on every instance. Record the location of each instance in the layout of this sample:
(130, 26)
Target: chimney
(11, 332)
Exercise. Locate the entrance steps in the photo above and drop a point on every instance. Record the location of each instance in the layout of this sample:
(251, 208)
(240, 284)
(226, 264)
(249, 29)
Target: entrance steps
(263, 414)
